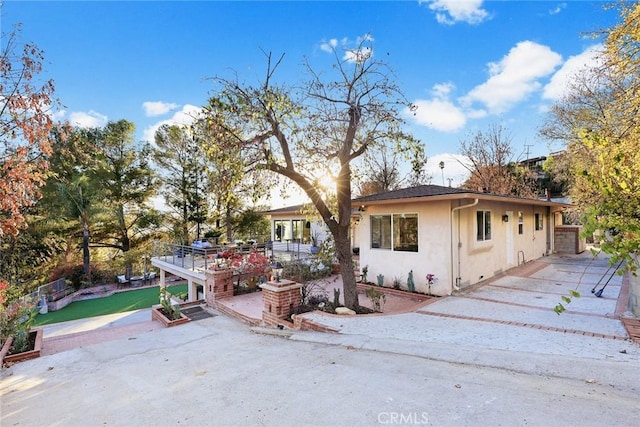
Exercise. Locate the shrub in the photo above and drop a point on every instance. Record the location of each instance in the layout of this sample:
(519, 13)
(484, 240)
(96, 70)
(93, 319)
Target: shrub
(16, 317)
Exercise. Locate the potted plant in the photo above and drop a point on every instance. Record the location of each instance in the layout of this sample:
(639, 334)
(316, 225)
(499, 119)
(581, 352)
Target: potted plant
(167, 313)
(315, 248)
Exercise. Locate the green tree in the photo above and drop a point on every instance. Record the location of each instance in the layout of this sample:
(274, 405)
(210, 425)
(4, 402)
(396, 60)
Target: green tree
(177, 156)
(78, 198)
(231, 182)
(598, 121)
(316, 130)
(125, 178)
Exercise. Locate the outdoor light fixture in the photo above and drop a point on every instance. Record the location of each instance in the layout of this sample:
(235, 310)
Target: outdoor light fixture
(277, 270)
(505, 218)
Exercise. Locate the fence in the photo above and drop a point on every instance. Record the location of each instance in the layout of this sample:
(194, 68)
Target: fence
(52, 291)
(199, 257)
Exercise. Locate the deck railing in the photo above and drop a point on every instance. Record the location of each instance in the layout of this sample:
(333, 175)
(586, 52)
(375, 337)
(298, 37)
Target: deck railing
(197, 257)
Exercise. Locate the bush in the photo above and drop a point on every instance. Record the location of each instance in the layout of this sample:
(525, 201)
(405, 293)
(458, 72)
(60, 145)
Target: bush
(74, 274)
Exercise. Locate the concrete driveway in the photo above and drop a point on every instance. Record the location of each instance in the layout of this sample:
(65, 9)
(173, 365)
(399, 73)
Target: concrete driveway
(514, 312)
(495, 355)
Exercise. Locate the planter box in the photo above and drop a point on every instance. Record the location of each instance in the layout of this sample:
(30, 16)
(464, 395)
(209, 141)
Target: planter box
(156, 314)
(26, 355)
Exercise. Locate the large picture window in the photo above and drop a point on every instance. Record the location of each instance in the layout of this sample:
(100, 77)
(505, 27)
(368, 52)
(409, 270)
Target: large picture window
(405, 232)
(483, 225)
(398, 232)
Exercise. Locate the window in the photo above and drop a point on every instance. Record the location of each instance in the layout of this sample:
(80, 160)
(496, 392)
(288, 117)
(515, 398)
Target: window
(381, 231)
(483, 223)
(398, 232)
(298, 229)
(278, 230)
(405, 232)
(538, 221)
(281, 230)
(520, 223)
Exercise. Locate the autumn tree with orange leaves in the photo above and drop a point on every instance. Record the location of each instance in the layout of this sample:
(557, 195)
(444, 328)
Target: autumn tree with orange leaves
(25, 123)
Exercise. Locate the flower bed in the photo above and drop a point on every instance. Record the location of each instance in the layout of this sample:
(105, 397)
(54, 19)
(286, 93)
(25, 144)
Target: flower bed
(7, 357)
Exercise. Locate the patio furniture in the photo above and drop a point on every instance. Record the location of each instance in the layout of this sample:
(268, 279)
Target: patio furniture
(122, 281)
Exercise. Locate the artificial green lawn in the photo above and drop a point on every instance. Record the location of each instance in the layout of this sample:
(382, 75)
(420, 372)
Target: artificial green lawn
(116, 303)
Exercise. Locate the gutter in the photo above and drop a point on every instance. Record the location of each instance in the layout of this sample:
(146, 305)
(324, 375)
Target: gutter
(456, 283)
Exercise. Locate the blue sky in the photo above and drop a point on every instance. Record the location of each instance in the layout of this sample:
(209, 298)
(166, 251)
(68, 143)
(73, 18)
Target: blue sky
(466, 64)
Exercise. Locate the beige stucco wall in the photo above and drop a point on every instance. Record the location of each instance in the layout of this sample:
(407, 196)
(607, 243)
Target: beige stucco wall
(439, 253)
(433, 256)
(482, 260)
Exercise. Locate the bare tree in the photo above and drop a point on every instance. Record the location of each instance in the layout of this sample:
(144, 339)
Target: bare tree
(314, 131)
(382, 170)
(493, 166)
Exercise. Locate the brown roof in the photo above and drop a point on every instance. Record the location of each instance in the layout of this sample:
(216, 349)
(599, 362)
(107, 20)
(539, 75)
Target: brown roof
(429, 192)
(412, 192)
(437, 192)
(287, 209)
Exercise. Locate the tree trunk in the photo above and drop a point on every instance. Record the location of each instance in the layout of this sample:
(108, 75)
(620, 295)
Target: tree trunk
(343, 253)
(228, 221)
(86, 257)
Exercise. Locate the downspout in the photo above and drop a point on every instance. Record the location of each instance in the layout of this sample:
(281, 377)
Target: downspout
(456, 283)
(550, 231)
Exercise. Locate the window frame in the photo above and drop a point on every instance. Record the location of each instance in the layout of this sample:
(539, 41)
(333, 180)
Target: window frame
(380, 243)
(399, 224)
(384, 230)
(520, 222)
(483, 227)
(538, 220)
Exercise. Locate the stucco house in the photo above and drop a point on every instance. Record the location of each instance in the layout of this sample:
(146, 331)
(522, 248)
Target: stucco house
(293, 231)
(456, 236)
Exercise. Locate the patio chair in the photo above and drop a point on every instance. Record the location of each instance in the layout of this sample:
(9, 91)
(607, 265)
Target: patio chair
(122, 280)
(151, 277)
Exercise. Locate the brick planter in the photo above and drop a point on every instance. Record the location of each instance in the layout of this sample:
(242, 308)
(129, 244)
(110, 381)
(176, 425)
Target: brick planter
(156, 314)
(280, 299)
(219, 286)
(26, 355)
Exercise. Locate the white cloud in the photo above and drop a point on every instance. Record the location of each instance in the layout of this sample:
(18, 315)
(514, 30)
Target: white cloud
(91, 119)
(453, 170)
(450, 12)
(559, 8)
(358, 55)
(329, 46)
(438, 114)
(58, 115)
(562, 79)
(183, 117)
(515, 77)
(355, 51)
(157, 108)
